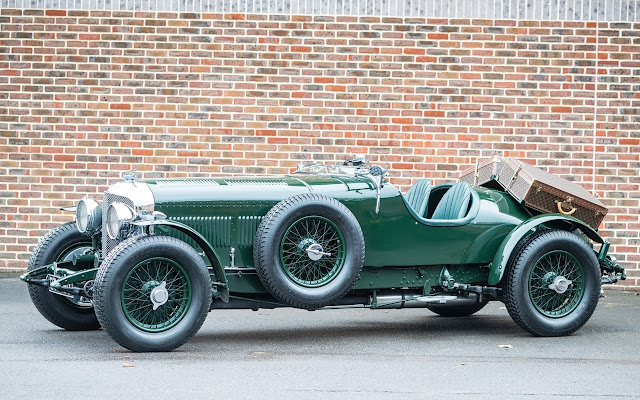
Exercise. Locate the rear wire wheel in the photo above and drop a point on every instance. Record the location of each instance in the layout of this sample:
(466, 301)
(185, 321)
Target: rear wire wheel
(553, 284)
(550, 267)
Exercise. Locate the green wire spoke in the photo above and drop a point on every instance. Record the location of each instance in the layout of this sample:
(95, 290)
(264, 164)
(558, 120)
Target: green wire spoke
(297, 264)
(550, 266)
(136, 294)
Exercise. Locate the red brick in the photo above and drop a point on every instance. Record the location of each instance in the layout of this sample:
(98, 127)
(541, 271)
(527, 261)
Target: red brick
(56, 13)
(561, 109)
(438, 36)
(87, 36)
(268, 93)
(61, 157)
(335, 88)
(402, 120)
(414, 51)
(323, 79)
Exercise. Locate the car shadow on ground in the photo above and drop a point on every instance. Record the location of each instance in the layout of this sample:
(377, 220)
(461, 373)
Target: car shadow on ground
(429, 326)
(429, 329)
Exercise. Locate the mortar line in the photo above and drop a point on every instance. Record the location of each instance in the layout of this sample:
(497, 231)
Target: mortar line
(595, 100)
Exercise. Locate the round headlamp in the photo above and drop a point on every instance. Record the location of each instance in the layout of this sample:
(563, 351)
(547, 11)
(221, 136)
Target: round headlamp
(119, 216)
(88, 216)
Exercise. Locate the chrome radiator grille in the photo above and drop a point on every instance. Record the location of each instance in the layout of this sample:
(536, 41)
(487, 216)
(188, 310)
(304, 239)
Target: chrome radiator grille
(109, 244)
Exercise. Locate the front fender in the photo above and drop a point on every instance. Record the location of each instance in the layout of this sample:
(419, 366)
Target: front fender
(559, 221)
(221, 278)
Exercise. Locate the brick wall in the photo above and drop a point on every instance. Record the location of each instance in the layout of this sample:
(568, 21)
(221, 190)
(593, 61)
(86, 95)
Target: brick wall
(85, 95)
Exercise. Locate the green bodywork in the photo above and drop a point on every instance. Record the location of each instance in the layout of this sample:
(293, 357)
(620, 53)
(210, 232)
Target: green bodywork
(402, 250)
(228, 216)
(196, 239)
(219, 218)
(558, 221)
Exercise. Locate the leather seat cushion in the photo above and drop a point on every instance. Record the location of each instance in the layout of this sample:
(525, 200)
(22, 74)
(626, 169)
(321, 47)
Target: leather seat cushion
(418, 196)
(455, 203)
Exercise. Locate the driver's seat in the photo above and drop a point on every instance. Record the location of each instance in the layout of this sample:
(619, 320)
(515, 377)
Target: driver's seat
(418, 197)
(455, 202)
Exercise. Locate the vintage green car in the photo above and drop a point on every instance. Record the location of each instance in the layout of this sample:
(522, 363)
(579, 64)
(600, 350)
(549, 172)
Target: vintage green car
(158, 255)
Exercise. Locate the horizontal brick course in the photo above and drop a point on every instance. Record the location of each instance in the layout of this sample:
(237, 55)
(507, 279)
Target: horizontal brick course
(85, 95)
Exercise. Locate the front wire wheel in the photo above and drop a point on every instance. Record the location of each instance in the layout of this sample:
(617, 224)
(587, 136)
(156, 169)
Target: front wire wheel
(152, 293)
(553, 284)
(156, 294)
(59, 245)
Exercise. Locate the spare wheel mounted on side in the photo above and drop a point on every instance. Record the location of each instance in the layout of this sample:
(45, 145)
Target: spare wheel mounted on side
(309, 250)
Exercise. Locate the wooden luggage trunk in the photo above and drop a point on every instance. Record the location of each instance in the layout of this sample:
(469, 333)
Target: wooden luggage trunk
(484, 173)
(536, 188)
(549, 193)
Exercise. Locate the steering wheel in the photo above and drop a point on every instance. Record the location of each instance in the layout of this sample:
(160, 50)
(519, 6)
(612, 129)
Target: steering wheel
(356, 162)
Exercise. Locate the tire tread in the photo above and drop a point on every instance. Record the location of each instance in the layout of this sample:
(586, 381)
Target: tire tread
(104, 278)
(41, 296)
(517, 312)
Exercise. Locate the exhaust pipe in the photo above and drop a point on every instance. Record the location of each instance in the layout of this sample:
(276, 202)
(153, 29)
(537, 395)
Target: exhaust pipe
(381, 299)
(408, 299)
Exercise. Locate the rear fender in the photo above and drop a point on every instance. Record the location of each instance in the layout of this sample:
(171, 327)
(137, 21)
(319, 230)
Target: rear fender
(556, 221)
(221, 284)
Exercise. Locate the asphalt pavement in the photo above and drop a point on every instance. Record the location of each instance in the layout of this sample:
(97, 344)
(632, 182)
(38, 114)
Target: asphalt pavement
(332, 354)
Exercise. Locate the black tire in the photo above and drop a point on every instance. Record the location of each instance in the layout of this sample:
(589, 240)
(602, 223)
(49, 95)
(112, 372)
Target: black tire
(544, 257)
(59, 245)
(335, 273)
(134, 263)
(454, 309)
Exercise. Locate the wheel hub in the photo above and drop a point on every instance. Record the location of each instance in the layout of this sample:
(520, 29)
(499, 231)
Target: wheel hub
(159, 295)
(303, 245)
(315, 252)
(312, 251)
(560, 284)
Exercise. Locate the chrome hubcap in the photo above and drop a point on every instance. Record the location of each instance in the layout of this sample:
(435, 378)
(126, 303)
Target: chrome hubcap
(159, 295)
(315, 252)
(560, 284)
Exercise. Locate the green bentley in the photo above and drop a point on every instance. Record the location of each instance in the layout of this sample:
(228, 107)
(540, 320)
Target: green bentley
(150, 262)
